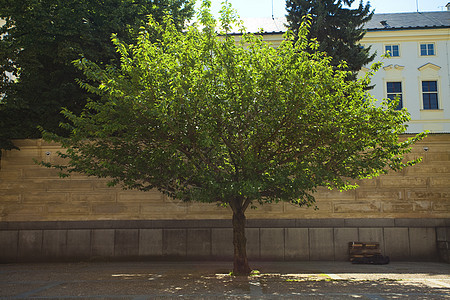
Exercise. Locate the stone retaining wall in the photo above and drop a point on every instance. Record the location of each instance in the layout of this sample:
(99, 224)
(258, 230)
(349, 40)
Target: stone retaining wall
(289, 239)
(46, 217)
(29, 192)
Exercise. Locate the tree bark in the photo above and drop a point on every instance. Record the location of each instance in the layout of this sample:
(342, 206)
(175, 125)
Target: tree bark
(241, 266)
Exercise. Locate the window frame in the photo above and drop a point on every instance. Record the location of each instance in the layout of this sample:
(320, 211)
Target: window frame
(391, 52)
(427, 49)
(394, 93)
(434, 92)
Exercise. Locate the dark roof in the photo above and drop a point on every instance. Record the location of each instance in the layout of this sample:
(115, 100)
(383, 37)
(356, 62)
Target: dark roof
(391, 21)
(414, 20)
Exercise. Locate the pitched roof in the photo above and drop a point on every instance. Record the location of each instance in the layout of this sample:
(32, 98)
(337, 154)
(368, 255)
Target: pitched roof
(414, 20)
(391, 21)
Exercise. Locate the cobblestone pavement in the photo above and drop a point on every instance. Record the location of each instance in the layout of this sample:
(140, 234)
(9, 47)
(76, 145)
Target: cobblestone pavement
(210, 280)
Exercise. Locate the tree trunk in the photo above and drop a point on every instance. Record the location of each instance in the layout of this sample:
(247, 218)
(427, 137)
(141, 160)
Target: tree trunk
(241, 266)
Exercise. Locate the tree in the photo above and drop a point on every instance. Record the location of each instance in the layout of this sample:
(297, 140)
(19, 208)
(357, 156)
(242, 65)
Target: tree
(337, 29)
(41, 39)
(203, 118)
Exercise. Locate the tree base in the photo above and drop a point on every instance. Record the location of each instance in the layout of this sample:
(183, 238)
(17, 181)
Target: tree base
(241, 268)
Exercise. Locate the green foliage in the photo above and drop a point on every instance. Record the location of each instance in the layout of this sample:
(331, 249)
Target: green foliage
(337, 29)
(41, 39)
(203, 118)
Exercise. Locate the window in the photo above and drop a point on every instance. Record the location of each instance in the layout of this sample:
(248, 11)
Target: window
(430, 95)
(426, 49)
(394, 89)
(392, 50)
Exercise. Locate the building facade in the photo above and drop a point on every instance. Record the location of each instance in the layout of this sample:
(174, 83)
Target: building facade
(417, 69)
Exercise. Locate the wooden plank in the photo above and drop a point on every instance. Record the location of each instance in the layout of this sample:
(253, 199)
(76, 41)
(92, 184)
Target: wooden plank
(361, 249)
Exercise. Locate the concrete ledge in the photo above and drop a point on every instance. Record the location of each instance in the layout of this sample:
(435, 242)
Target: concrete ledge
(370, 222)
(218, 223)
(106, 240)
(421, 222)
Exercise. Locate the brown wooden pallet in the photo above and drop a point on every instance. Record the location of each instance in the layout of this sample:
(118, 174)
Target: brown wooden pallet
(361, 249)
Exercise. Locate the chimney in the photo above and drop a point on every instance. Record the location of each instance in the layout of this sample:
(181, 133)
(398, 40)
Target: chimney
(385, 24)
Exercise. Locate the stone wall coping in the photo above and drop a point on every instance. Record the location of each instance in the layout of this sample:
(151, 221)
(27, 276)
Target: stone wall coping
(219, 223)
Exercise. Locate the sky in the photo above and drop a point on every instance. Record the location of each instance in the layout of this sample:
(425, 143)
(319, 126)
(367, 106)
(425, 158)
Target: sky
(263, 8)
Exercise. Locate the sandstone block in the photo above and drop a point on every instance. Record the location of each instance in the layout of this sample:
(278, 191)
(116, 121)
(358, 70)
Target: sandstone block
(272, 243)
(424, 194)
(68, 208)
(324, 206)
(371, 195)
(30, 245)
(422, 206)
(357, 207)
(405, 182)
(274, 208)
(198, 243)
(442, 181)
(10, 175)
(326, 194)
(423, 244)
(442, 234)
(396, 241)
(8, 245)
(365, 183)
(321, 243)
(102, 243)
(174, 242)
(428, 169)
(126, 243)
(54, 244)
(342, 236)
(44, 197)
(115, 208)
(20, 212)
(40, 173)
(397, 207)
(150, 196)
(64, 184)
(441, 206)
(253, 243)
(438, 156)
(150, 242)
(9, 197)
(23, 185)
(207, 208)
(162, 208)
(296, 244)
(78, 243)
(83, 197)
(101, 184)
(222, 243)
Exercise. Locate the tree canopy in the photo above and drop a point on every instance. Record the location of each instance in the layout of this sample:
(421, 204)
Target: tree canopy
(203, 118)
(39, 41)
(338, 29)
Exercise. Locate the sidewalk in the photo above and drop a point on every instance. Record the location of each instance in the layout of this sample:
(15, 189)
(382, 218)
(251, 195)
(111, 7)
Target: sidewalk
(210, 280)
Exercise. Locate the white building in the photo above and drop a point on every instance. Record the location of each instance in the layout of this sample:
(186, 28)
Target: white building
(418, 66)
(418, 69)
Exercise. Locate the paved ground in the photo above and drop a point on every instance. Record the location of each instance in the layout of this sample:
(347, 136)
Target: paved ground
(210, 280)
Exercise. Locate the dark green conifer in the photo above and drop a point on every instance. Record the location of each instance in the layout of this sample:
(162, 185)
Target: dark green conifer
(336, 26)
(38, 43)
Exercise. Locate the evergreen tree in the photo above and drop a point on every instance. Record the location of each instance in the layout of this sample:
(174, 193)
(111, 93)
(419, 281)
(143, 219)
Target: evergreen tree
(337, 29)
(38, 43)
